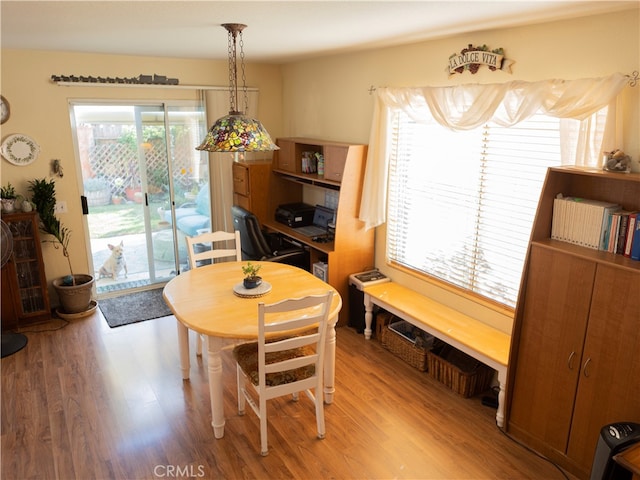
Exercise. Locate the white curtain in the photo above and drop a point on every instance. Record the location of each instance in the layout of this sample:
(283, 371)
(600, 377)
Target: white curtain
(470, 106)
(220, 164)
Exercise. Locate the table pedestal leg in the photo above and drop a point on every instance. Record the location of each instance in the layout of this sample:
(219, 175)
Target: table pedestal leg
(368, 316)
(183, 347)
(215, 345)
(330, 363)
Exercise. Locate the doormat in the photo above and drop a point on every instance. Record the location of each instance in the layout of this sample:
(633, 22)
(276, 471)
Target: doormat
(134, 307)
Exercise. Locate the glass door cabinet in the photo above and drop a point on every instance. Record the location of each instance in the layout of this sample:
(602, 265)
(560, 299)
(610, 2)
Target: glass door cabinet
(25, 298)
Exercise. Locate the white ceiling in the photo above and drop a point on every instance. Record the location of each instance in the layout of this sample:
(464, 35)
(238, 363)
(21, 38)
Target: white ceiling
(277, 32)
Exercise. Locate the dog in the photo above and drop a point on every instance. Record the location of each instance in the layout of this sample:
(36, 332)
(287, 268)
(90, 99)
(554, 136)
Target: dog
(115, 263)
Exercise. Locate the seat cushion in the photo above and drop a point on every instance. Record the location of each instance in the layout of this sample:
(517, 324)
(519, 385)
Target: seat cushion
(246, 355)
(193, 223)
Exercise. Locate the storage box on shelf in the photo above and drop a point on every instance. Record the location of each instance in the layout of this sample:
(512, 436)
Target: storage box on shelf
(460, 372)
(405, 341)
(575, 331)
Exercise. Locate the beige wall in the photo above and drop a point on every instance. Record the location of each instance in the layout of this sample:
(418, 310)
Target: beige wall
(329, 98)
(321, 98)
(39, 109)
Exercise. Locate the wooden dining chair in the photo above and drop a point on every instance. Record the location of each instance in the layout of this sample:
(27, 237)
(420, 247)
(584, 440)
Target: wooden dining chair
(206, 248)
(283, 360)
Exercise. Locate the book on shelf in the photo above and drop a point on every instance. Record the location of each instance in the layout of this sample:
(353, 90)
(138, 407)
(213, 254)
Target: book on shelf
(624, 219)
(635, 242)
(582, 221)
(631, 228)
(622, 231)
(613, 233)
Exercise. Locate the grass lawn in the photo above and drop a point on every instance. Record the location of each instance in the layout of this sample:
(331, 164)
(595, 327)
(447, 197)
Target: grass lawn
(116, 220)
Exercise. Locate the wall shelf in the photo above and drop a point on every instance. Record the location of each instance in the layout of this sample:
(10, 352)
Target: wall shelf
(147, 85)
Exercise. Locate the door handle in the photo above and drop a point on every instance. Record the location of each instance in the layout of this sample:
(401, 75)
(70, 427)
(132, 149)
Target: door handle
(85, 205)
(584, 367)
(570, 360)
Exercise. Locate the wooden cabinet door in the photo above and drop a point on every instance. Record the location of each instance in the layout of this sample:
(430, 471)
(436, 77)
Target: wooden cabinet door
(240, 179)
(285, 158)
(558, 291)
(25, 271)
(335, 158)
(609, 387)
(251, 187)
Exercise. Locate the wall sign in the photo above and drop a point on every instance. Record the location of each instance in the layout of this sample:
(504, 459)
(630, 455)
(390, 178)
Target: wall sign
(472, 58)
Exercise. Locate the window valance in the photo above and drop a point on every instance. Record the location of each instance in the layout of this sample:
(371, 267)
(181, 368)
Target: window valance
(466, 107)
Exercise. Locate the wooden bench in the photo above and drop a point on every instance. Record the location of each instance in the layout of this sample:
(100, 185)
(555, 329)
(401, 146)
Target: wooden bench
(475, 338)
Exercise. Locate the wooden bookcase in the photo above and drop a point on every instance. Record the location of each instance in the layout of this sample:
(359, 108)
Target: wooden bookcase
(25, 297)
(353, 247)
(574, 358)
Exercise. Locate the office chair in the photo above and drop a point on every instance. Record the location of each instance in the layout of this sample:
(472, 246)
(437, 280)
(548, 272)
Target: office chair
(255, 245)
(281, 363)
(211, 253)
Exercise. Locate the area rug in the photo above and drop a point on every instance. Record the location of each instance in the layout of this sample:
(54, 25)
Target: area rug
(134, 307)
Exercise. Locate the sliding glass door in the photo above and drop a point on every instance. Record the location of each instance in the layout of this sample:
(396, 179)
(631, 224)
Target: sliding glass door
(145, 187)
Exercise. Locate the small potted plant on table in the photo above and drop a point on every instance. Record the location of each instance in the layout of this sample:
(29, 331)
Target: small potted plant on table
(251, 278)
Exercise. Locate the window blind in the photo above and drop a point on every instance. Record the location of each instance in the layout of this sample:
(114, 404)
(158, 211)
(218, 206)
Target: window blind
(461, 204)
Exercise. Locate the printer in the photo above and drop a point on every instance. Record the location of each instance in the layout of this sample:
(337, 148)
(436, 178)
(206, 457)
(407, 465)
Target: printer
(295, 214)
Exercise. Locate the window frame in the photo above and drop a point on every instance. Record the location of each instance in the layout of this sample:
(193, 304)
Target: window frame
(521, 246)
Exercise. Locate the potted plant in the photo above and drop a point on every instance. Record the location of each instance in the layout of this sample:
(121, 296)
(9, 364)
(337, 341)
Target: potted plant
(8, 196)
(74, 290)
(251, 278)
(97, 191)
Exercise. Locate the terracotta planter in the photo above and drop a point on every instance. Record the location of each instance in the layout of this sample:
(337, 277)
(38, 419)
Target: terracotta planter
(131, 192)
(75, 298)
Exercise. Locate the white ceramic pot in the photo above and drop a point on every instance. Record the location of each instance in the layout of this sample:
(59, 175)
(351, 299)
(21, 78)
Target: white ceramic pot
(8, 205)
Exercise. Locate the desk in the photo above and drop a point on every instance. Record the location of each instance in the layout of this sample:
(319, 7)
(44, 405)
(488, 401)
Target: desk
(351, 252)
(630, 459)
(203, 300)
(322, 247)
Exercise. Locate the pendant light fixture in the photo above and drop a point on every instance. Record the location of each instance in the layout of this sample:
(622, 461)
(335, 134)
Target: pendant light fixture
(236, 132)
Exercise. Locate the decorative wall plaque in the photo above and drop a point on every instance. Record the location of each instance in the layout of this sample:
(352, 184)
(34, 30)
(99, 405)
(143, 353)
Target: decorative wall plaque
(472, 58)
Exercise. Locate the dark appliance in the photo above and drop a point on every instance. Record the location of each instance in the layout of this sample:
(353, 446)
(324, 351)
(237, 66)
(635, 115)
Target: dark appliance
(295, 214)
(613, 439)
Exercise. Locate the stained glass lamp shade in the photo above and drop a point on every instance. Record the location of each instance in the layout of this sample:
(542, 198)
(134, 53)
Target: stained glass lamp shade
(236, 132)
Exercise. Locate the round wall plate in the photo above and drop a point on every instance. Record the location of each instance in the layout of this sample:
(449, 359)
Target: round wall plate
(20, 149)
(5, 110)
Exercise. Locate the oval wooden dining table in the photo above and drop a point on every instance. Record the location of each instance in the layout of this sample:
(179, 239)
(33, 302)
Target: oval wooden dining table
(204, 300)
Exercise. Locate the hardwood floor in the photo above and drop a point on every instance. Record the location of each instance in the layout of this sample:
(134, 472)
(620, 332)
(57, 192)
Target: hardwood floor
(86, 401)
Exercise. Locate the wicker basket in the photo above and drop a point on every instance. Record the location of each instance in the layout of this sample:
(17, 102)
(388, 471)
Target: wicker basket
(398, 338)
(463, 374)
